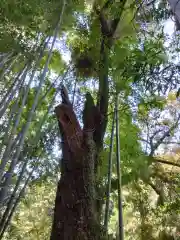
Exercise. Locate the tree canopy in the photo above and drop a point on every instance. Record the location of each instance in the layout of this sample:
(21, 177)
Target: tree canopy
(45, 45)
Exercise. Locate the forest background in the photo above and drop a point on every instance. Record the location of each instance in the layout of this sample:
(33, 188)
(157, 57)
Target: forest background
(47, 44)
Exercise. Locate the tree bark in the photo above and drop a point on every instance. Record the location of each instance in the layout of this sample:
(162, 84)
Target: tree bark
(75, 211)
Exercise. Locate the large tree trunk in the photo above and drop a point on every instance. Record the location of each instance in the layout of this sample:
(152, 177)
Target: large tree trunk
(75, 211)
(76, 214)
(74, 206)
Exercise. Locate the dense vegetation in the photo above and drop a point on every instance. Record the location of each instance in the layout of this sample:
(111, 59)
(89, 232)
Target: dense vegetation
(82, 45)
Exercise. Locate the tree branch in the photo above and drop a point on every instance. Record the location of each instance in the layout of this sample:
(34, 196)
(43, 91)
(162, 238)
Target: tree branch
(166, 162)
(166, 134)
(158, 192)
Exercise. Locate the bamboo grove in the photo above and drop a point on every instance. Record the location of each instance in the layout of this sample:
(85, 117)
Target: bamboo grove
(89, 119)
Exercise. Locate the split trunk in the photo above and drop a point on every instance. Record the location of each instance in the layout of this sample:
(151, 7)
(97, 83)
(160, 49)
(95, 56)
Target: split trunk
(75, 213)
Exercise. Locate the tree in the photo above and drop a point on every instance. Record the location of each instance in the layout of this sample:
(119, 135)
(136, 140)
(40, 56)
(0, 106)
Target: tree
(112, 50)
(75, 196)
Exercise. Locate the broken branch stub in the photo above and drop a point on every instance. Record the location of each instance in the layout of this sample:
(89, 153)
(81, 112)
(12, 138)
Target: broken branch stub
(69, 126)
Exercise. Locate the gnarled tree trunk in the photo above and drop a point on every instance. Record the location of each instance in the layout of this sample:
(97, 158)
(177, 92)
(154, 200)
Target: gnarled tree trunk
(75, 211)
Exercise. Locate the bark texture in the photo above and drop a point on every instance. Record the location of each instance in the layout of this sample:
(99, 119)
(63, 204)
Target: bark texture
(75, 213)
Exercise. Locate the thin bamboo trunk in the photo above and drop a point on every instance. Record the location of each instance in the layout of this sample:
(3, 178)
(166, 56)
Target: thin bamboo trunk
(18, 116)
(7, 182)
(8, 126)
(6, 224)
(106, 218)
(12, 90)
(12, 197)
(7, 69)
(10, 141)
(120, 207)
(5, 59)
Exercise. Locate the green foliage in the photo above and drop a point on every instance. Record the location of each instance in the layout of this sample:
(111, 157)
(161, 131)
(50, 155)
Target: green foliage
(56, 63)
(33, 217)
(154, 102)
(84, 53)
(138, 62)
(21, 21)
